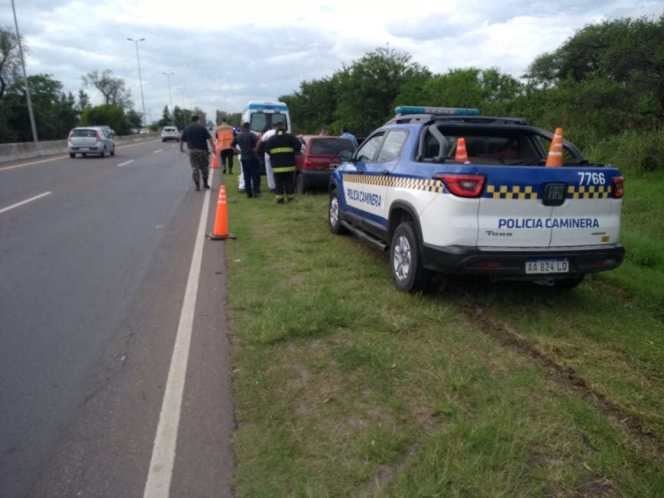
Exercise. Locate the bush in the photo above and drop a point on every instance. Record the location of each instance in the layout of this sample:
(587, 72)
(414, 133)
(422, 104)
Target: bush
(634, 152)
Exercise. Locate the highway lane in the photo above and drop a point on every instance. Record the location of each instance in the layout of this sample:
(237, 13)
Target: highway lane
(104, 255)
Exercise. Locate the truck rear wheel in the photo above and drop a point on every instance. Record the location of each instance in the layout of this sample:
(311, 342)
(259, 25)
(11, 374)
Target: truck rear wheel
(408, 273)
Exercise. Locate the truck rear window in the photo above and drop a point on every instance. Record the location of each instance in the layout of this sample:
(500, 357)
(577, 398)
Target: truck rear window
(329, 146)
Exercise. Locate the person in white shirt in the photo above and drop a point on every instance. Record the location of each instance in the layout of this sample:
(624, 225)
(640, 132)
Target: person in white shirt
(269, 174)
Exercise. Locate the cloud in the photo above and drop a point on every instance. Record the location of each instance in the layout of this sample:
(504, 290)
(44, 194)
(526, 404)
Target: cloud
(224, 54)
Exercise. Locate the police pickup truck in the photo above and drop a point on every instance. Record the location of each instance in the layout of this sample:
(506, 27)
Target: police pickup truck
(500, 212)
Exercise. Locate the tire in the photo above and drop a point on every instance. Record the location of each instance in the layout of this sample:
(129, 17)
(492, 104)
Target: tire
(334, 215)
(300, 184)
(163, 140)
(72, 155)
(84, 154)
(408, 273)
(103, 153)
(113, 151)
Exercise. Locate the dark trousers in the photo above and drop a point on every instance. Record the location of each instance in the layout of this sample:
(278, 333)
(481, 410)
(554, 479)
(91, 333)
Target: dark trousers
(199, 165)
(284, 184)
(227, 160)
(252, 180)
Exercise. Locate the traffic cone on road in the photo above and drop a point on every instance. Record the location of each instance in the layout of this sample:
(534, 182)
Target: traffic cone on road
(220, 230)
(555, 157)
(461, 154)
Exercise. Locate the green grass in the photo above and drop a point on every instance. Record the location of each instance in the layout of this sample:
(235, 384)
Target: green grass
(346, 387)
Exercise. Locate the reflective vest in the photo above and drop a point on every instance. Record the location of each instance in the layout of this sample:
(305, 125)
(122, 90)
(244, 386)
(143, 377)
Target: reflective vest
(282, 148)
(224, 137)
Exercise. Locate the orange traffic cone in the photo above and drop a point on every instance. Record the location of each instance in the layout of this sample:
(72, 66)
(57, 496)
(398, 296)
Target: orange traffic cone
(555, 157)
(220, 231)
(461, 154)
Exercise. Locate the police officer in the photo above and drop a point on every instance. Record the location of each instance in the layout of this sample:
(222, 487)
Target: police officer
(282, 147)
(197, 137)
(247, 141)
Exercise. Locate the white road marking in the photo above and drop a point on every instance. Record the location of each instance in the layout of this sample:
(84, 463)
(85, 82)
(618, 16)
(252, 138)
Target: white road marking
(18, 204)
(126, 163)
(158, 482)
(57, 158)
(157, 151)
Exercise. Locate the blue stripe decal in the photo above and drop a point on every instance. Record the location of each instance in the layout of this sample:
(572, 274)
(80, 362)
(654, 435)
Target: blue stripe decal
(378, 220)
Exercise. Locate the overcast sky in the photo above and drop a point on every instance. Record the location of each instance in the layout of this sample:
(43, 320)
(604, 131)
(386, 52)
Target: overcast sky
(224, 53)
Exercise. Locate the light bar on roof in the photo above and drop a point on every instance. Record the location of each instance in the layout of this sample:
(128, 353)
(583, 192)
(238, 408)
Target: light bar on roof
(450, 111)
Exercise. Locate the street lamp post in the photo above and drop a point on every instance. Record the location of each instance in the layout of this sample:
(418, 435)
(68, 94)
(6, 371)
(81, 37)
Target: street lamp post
(33, 125)
(140, 76)
(170, 93)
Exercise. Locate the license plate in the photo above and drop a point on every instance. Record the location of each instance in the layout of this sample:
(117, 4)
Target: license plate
(543, 266)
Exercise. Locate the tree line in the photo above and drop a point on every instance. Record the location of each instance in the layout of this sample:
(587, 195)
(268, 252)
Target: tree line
(56, 111)
(608, 78)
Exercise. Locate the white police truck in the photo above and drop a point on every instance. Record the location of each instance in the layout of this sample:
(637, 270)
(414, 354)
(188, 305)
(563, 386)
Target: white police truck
(500, 212)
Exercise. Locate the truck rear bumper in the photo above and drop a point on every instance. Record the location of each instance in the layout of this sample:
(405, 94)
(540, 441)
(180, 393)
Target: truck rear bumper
(512, 264)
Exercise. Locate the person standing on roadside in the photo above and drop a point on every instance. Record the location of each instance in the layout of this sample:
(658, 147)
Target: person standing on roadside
(348, 136)
(197, 137)
(282, 147)
(247, 141)
(225, 135)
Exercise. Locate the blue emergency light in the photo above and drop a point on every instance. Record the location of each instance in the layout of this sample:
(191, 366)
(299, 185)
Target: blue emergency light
(450, 111)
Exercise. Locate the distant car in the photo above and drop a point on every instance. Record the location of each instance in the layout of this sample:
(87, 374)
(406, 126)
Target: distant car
(97, 140)
(170, 133)
(320, 155)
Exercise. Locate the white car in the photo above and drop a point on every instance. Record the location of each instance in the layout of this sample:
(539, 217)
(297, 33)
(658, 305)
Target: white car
(497, 212)
(91, 140)
(170, 133)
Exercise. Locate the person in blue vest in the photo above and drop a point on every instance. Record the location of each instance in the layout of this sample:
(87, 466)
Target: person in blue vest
(282, 147)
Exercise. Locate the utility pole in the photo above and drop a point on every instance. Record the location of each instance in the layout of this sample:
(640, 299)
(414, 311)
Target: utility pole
(140, 76)
(33, 125)
(170, 93)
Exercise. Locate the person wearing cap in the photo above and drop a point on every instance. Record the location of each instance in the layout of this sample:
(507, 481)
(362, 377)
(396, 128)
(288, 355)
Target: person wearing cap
(246, 141)
(225, 135)
(197, 137)
(282, 147)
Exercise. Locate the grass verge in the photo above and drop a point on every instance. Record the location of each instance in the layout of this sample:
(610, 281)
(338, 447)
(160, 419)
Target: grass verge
(346, 387)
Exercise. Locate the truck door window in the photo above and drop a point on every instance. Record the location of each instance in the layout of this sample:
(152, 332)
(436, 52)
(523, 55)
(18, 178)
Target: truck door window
(392, 145)
(368, 151)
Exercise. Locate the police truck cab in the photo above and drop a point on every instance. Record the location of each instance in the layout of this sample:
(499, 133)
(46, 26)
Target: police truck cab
(499, 212)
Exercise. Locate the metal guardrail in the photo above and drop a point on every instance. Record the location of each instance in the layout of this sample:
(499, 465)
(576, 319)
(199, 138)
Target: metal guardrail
(28, 150)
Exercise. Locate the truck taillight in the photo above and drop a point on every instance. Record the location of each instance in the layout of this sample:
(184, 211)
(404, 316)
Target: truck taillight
(463, 185)
(618, 187)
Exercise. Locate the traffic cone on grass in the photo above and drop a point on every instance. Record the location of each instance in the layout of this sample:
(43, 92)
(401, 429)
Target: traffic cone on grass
(461, 153)
(220, 230)
(555, 157)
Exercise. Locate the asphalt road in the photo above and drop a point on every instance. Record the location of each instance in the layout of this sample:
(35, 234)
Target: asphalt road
(95, 258)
